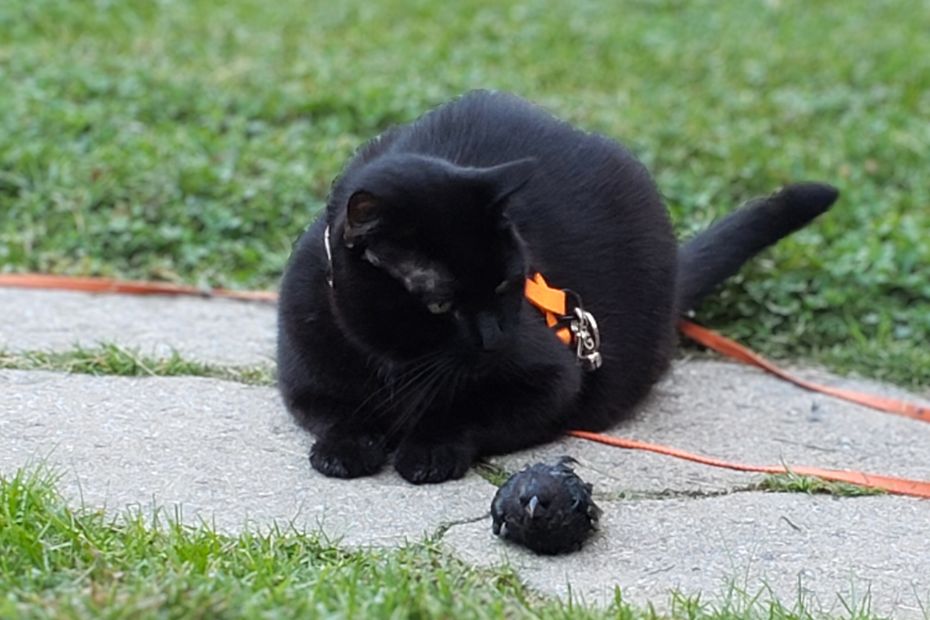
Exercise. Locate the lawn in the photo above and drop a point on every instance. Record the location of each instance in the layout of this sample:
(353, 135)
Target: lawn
(192, 141)
(59, 562)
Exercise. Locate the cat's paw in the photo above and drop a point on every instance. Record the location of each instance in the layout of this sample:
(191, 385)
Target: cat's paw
(422, 463)
(344, 456)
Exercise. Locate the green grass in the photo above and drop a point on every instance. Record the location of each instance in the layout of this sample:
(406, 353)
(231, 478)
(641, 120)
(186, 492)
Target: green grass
(492, 472)
(794, 483)
(57, 562)
(771, 483)
(191, 140)
(113, 359)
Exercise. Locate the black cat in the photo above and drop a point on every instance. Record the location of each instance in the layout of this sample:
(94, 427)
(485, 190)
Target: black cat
(403, 324)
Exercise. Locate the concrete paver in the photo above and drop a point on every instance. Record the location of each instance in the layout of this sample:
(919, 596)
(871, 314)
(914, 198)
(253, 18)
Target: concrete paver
(216, 331)
(781, 544)
(224, 452)
(228, 453)
(737, 412)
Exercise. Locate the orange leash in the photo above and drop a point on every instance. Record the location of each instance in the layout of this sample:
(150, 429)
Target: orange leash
(734, 350)
(552, 302)
(128, 287)
(900, 486)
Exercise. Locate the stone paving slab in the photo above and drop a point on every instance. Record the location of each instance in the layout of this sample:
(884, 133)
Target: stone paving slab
(719, 408)
(216, 331)
(737, 412)
(223, 451)
(851, 547)
(228, 453)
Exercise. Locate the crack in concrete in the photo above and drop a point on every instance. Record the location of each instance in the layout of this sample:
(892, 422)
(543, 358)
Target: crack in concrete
(669, 494)
(444, 527)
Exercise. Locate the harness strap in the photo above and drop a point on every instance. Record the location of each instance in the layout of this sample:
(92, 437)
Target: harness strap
(552, 303)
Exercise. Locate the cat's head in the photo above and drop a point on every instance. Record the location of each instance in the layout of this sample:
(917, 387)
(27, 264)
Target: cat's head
(425, 258)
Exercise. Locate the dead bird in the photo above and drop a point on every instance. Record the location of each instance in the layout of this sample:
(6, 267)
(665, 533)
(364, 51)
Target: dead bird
(546, 508)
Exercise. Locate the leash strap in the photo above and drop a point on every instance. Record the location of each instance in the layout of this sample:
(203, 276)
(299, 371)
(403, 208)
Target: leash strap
(734, 350)
(900, 486)
(128, 287)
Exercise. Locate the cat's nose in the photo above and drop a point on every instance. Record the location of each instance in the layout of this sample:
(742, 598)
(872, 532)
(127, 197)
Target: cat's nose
(489, 330)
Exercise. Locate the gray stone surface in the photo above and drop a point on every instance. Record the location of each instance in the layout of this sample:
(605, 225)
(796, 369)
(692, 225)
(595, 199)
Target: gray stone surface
(759, 542)
(215, 330)
(737, 412)
(222, 451)
(229, 453)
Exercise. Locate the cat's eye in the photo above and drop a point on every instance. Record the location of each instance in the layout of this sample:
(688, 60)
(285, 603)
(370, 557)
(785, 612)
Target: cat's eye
(502, 287)
(439, 307)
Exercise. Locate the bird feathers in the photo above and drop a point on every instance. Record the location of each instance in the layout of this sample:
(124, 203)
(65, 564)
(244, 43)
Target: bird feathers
(546, 508)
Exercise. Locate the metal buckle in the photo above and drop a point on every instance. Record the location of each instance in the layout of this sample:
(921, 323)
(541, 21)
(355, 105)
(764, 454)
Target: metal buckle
(587, 337)
(329, 258)
(587, 340)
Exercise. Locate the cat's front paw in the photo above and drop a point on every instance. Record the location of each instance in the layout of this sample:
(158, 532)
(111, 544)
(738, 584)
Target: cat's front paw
(422, 463)
(344, 456)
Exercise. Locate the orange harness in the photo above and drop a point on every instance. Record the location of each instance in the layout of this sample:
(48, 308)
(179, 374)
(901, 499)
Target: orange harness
(551, 301)
(581, 327)
(554, 304)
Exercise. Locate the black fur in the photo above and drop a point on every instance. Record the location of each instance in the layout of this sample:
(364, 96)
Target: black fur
(425, 345)
(718, 253)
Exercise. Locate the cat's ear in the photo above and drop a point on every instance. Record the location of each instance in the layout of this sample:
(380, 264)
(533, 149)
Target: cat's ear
(363, 214)
(507, 178)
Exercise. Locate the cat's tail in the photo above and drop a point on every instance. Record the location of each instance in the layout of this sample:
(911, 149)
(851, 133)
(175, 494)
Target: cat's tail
(718, 252)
